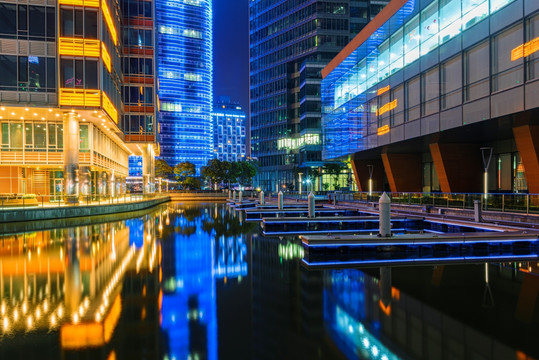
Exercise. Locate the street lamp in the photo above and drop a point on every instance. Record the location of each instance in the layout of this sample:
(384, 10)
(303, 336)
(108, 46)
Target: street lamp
(486, 153)
(308, 181)
(300, 175)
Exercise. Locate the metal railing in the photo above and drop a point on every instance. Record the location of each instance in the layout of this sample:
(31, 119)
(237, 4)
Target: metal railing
(506, 202)
(30, 201)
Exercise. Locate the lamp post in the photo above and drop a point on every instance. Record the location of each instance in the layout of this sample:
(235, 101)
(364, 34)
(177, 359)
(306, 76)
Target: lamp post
(308, 181)
(300, 187)
(486, 154)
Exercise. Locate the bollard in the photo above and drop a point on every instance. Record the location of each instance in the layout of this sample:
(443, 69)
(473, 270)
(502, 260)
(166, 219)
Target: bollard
(384, 205)
(310, 201)
(229, 194)
(477, 211)
(280, 200)
(240, 196)
(234, 196)
(335, 198)
(262, 198)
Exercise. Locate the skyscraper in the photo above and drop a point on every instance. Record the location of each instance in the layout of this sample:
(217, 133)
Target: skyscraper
(184, 40)
(228, 130)
(287, 55)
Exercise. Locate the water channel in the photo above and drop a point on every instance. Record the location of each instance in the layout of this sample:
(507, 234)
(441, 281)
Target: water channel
(191, 281)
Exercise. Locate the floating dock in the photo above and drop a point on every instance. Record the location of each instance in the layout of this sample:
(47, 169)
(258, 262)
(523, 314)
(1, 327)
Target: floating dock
(259, 214)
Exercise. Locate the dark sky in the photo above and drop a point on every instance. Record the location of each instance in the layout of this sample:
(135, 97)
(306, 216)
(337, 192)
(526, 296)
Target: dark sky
(231, 50)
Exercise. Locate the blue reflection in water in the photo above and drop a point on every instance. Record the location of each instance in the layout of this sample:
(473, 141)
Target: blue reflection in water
(345, 314)
(189, 311)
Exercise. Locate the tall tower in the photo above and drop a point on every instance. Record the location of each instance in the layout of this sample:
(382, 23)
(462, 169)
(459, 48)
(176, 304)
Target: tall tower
(184, 68)
(286, 58)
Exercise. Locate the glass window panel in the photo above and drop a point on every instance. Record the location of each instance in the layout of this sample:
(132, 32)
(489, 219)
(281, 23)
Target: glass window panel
(383, 61)
(533, 59)
(79, 22)
(473, 11)
(477, 71)
(59, 136)
(8, 19)
(413, 95)
(51, 74)
(84, 138)
(430, 91)
(5, 136)
(79, 73)
(37, 22)
(451, 82)
(411, 41)
(23, 69)
(506, 71)
(40, 136)
(91, 74)
(449, 19)
(52, 135)
(8, 69)
(504, 172)
(16, 135)
(36, 73)
(67, 26)
(23, 18)
(67, 73)
(51, 23)
(396, 56)
(29, 138)
(429, 28)
(398, 113)
(372, 72)
(90, 24)
(498, 4)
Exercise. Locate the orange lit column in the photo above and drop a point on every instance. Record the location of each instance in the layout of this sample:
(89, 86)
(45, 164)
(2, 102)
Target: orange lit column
(403, 171)
(527, 140)
(148, 168)
(458, 166)
(85, 181)
(71, 157)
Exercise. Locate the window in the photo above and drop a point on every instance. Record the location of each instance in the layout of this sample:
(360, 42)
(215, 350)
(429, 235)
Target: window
(430, 90)
(451, 82)
(23, 18)
(37, 76)
(396, 51)
(8, 69)
(532, 32)
(398, 113)
(429, 28)
(40, 136)
(79, 73)
(473, 11)
(8, 20)
(411, 41)
(413, 99)
(507, 72)
(5, 136)
(36, 22)
(476, 67)
(84, 139)
(449, 19)
(15, 136)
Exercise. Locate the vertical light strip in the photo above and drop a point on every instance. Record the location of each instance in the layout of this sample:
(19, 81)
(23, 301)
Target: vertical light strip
(110, 23)
(109, 108)
(106, 57)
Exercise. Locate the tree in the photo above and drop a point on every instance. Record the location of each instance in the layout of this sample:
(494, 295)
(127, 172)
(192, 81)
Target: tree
(247, 173)
(183, 171)
(192, 183)
(334, 169)
(163, 169)
(215, 170)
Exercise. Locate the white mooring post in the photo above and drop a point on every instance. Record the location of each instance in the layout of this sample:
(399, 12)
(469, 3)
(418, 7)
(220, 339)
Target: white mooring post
(280, 200)
(477, 211)
(310, 201)
(234, 195)
(262, 198)
(240, 196)
(385, 215)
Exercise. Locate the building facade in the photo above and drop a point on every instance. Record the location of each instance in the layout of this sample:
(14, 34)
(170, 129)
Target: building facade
(424, 95)
(60, 100)
(290, 42)
(228, 131)
(184, 40)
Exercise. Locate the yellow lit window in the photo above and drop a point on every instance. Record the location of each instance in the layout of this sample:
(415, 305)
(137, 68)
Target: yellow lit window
(110, 23)
(106, 57)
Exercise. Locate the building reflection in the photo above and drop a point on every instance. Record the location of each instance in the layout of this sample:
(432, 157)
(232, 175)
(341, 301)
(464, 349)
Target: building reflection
(368, 317)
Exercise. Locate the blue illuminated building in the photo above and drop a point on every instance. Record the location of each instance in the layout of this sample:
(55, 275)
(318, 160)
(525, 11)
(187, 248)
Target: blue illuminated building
(135, 166)
(413, 98)
(184, 67)
(228, 130)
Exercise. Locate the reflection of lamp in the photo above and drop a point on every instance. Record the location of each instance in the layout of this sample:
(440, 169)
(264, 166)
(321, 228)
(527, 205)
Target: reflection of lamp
(370, 178)
(486, 153)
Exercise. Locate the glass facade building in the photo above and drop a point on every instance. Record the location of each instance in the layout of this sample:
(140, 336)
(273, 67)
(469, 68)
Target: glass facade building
(228, 130)
(184, 40)
(428, 76)
(290, 42)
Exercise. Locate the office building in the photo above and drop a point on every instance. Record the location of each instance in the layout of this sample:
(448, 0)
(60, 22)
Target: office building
(426, 92)
(184, 42)
(60, 100)
(228, 130)
(290, 43)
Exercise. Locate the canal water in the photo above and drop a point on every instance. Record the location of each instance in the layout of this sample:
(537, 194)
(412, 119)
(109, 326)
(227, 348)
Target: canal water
(189, 281)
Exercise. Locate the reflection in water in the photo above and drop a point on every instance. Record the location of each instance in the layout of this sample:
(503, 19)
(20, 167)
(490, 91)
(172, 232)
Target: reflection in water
(196, 281)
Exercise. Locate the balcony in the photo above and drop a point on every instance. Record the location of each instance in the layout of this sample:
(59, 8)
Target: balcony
(79, 47)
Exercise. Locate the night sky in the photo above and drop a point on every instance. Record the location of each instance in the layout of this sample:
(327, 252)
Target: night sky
(231, 50)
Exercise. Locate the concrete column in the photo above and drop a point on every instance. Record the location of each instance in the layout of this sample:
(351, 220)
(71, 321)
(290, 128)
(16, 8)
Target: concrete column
(71, 157)
(85, 181)
(148, 168)
(458, 166)
(403, 171)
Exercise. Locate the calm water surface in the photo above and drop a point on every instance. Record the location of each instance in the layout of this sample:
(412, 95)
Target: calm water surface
(186, 281)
